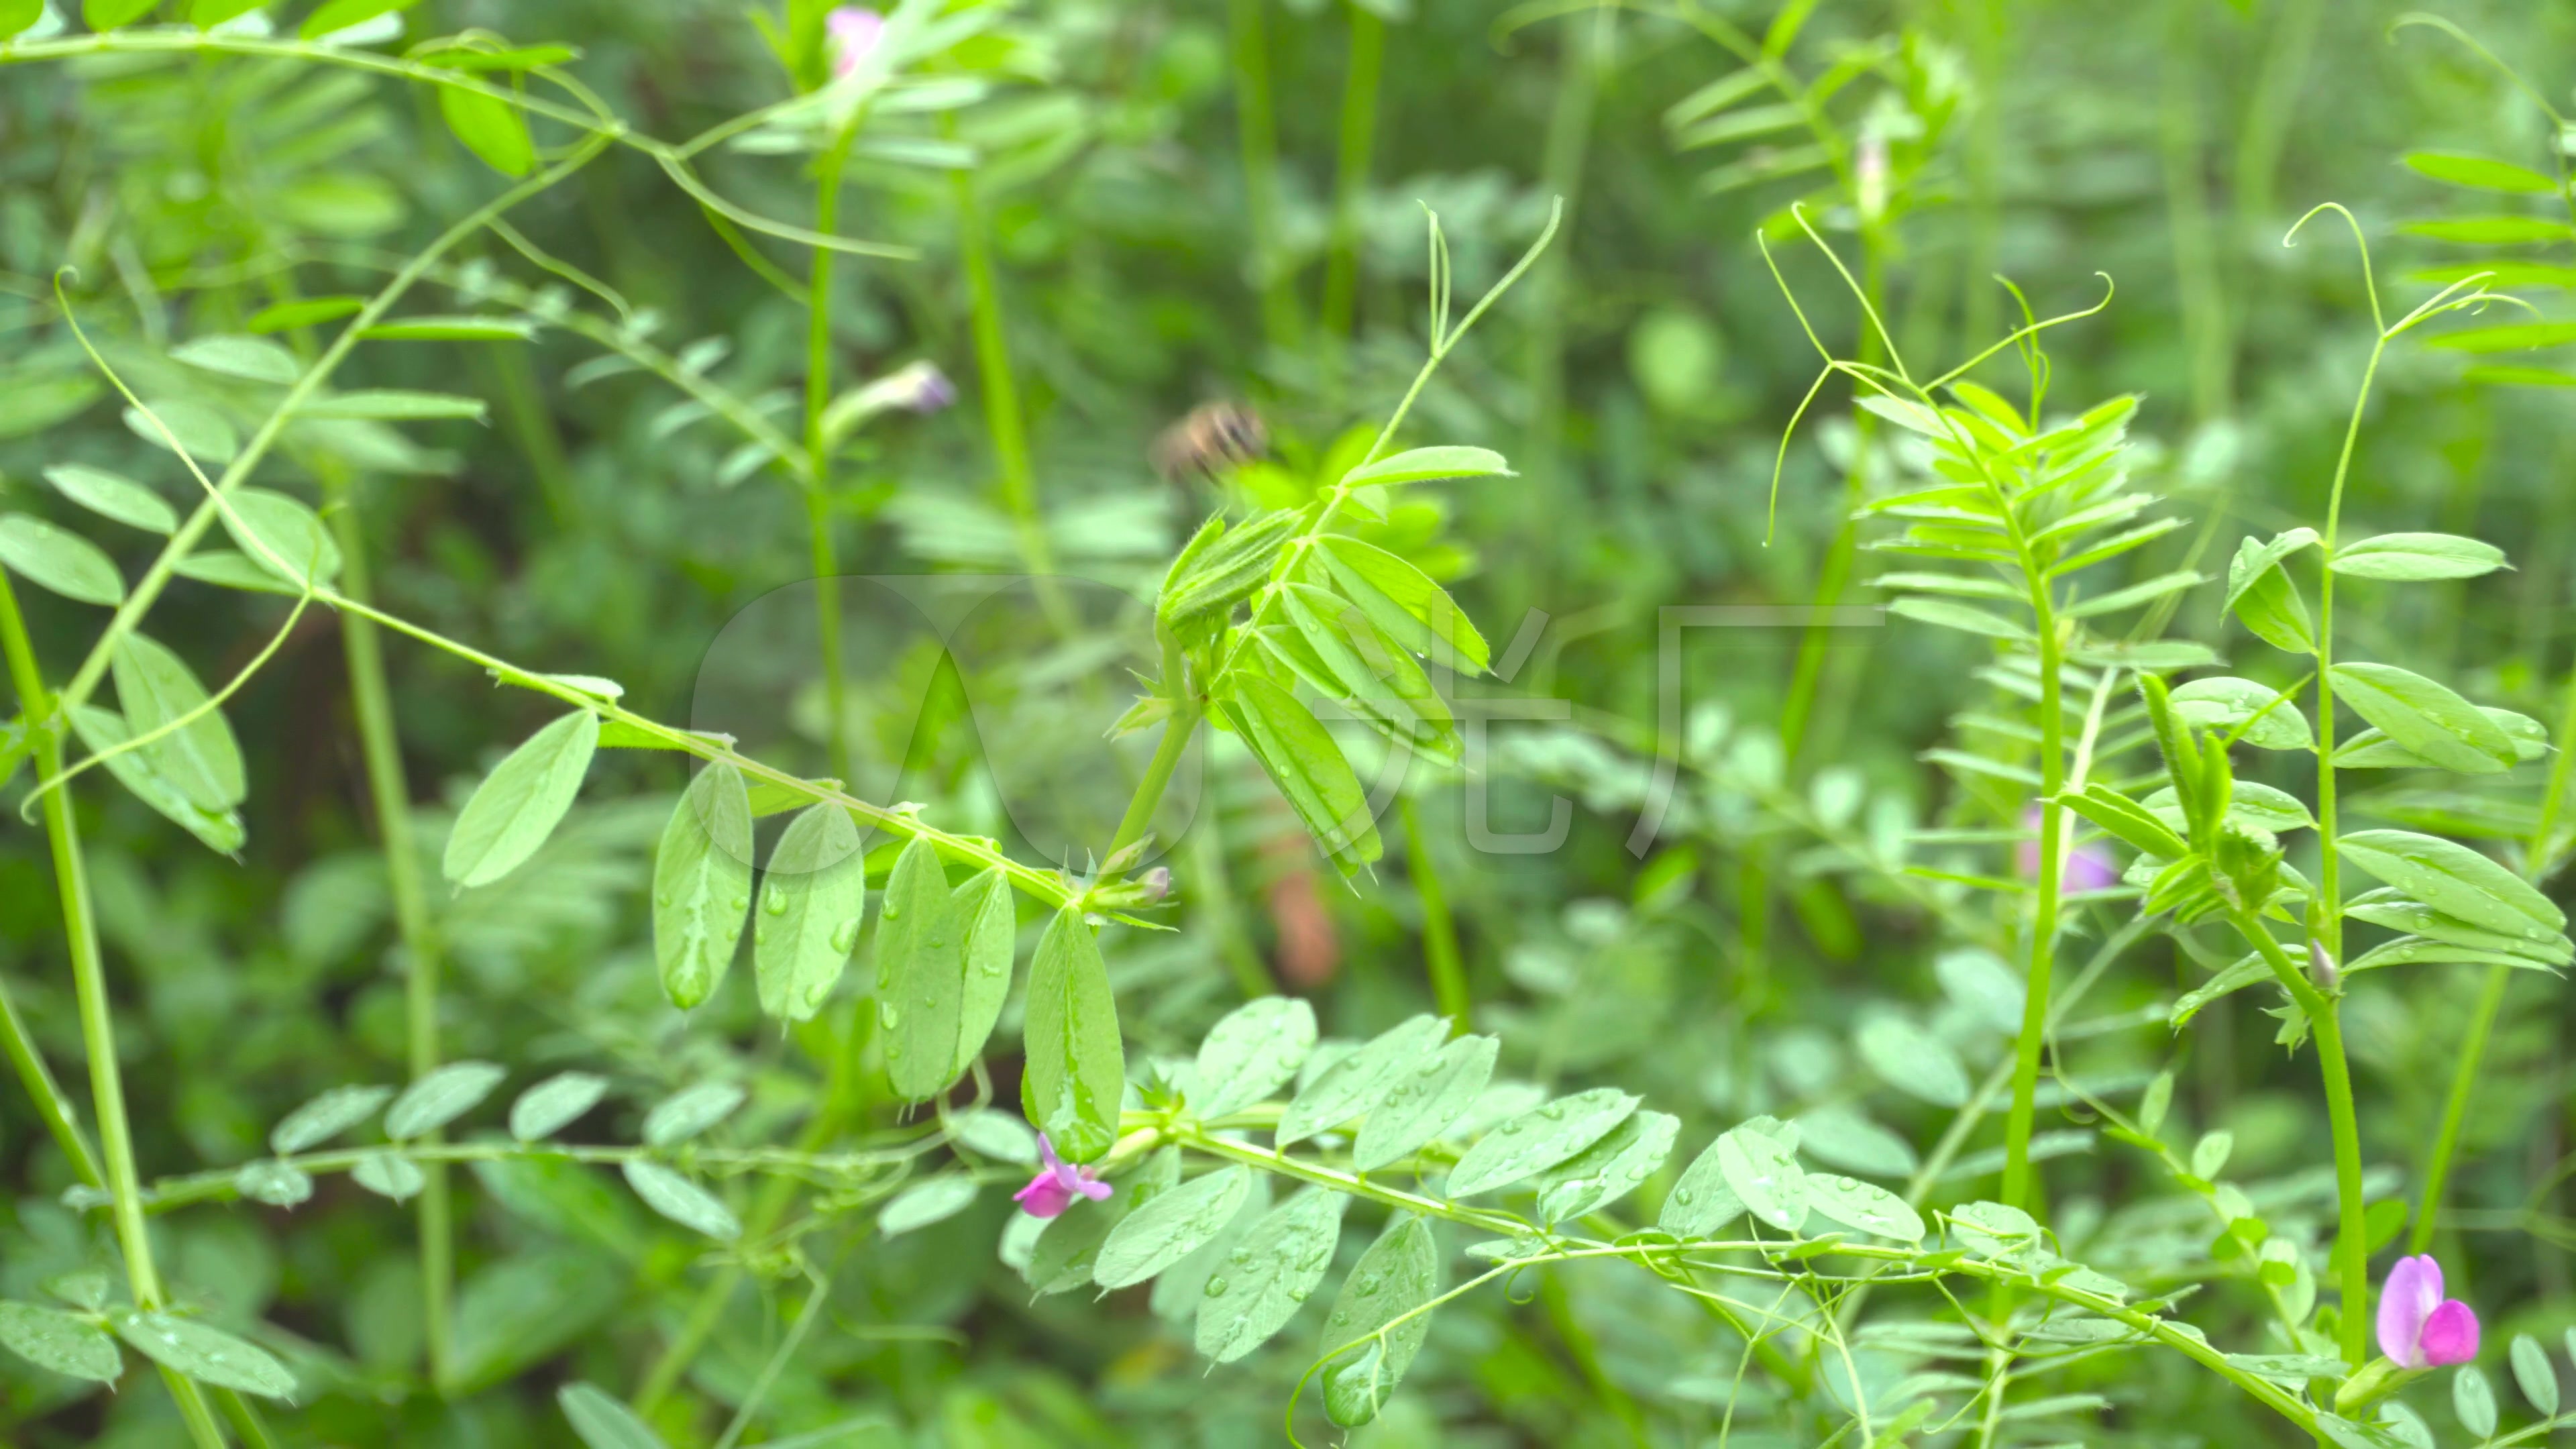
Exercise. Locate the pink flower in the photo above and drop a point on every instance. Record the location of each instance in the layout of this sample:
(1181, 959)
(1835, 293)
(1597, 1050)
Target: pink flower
(855, 31)
(2418, 1327)
(1052, 1190)
(2088, 868)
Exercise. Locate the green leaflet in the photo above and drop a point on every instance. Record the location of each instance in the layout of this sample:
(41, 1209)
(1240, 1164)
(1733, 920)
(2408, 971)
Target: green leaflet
(1865, 1206)
(1399, 1274)
(490, 128)
(1357, 1082)
(1416, 465)
(1763, 1173)
(208, 1355)
(1170, 1226)
(2455, 880)
(690, 1111)
(58, 561)
(813, 900)
(1702, 1202)
(1912, 1060)
(326, 1116)
(1267, 1276)
(1252, 1053)
(1404, 603)
(1223, 567)
(1424, 1101)
(254, 358)
(282, 536)
(112, 496)
(924, 1203)
(992, 923)
(553, 1104)
(702, 884)
(2222, 704)
(682, 1201)
(2424, 718)
(1179, 1290)
(943, 967)
(2390, 908)
(2408, 557)
(2372, 749)
(2133, 823)
(1967, 618)
(1364, 668)
(154, 687)
(52, 1339)
(1539, 1139)
(1077, 1071)
(442, 1096)
(519, 804)
(1609, 1169)
(1308, 768)
(602, 1422)
(102, 730)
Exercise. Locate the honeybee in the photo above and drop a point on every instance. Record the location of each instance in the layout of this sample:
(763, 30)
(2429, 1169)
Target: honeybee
(1213, 439)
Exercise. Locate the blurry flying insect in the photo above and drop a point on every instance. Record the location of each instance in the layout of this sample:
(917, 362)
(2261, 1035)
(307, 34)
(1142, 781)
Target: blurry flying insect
(1214, 439)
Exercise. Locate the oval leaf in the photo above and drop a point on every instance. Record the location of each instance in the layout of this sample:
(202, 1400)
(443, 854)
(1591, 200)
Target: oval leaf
(1169, 1227)
(701, 883)
(208, 1355)
(813, 902)
(1261, 1283)
(1077, 1070)
(1357, 1082)
(551, 1105)
(111, 496)
(519, 804)
(440, 1098)
(1396, 1277)
(1539, 1139)
(1252, 1053)
(682, 1201)
(51, 1339)
(59, 562)
(1424, 1101)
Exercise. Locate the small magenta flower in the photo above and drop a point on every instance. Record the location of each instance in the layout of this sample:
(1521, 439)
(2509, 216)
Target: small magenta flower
(2088, 867)
(1052, 1190)
(854, 31)
(2418, 1327)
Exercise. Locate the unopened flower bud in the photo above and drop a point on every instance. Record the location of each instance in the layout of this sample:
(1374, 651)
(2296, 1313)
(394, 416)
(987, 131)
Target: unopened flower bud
(2322, 967)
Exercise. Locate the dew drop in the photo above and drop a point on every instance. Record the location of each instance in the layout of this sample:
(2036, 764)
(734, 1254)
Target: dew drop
(760, 933)
(663, 898)
(1297, 1295)
(1365, 1288)
(890, 911)
(741, 903)
(1683, 1196)
(887, 1015)
(1215, 1288)
(1430, 1068)
(845, 936)
(774, 900)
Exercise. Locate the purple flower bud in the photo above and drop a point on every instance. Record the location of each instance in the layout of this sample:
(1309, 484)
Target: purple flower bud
(1057, 1184)
(854, 31)
(2418, 1327)
(2088, 868)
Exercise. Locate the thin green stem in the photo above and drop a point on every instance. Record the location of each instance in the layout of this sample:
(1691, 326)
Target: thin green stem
(62, 1121)
(381, 747)
(818, 455)
(2325, 1017)
(1257, 134)
(1351, 176)
(1004, 420)
(1843, 553)
(2325, 912)
(2455, 1108)
(1542, 490)
(97, 1016)
(1439, 931)
(2204, 303)
(1168, 750)
(2044, 910)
